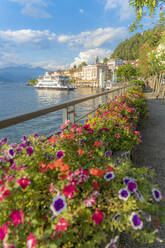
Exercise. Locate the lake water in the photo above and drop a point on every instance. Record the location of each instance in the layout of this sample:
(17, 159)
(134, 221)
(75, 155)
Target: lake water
(17, 99)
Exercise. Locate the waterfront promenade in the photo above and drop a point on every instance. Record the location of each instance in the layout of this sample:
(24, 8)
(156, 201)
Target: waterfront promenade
(151, 152)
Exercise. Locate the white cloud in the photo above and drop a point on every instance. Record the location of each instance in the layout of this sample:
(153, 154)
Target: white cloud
(125, 10)
(26, 36)
(89, 55)
(96, 38)
(50, 65)
(64, 38)
(81, 11)
(34, 8)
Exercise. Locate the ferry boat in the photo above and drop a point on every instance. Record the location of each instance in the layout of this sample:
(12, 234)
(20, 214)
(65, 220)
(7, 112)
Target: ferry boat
(57, 82)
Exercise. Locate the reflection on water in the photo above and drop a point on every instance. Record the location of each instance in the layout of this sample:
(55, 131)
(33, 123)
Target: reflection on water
(19, 99)
(49, 97)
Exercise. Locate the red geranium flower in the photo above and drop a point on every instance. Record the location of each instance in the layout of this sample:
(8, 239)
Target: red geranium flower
(98, 216)
(23, 182)
(62, 225)
(95, 185)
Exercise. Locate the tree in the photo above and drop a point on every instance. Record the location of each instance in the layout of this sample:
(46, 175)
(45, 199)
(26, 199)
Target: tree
(82, 64)
(105, 60)
(126, 72)
(144, 65)
(32, 82)
(152, 59)
(142, 6)
(129, 49)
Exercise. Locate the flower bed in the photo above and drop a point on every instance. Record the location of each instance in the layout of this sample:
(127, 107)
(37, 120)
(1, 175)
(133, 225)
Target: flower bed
(70, 191)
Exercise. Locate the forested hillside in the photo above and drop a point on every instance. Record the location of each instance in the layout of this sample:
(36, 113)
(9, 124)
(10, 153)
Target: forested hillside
(129, 49)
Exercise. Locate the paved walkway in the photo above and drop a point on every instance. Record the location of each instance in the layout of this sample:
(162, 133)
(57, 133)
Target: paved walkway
(152, 150)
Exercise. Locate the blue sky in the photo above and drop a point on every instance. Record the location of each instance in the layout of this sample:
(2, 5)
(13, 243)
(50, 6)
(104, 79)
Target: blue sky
(59, 33)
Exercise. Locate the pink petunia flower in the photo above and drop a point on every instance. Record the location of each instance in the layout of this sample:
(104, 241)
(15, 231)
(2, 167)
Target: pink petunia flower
(17, 216)
(98, 216)
(23, 182)
(79, 130)
(31, 241)
(7, 245)
(3, 192)
(62, 225)
(3, 231)
(89, 202)
(68, 191)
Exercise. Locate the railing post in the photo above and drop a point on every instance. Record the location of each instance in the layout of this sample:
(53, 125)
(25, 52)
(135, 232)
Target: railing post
(106, 97)
(65, 114)
(94, 103)
(71, 112)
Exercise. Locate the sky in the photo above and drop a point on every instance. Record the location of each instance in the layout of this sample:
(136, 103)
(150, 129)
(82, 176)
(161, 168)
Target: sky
(57, 34)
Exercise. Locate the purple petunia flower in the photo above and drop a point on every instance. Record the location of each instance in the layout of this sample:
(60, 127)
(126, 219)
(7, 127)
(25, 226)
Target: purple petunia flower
(103, 129)
(124, 194)
(127, 179)
(29, 150)
(132, 186)
(58, 133)
(60, 154)
(136, 222)
(11, 161)
(11, 153)
(108, 153)
(156, 194)
(109, 175)
(58, 205)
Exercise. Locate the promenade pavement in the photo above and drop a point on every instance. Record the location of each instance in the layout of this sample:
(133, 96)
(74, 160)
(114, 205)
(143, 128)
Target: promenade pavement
(151, 152)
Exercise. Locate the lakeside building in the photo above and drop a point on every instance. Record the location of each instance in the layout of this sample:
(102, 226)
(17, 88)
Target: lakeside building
(114, 63)
(95, 75)
(92, 72)
(78, 74)
(89, 76)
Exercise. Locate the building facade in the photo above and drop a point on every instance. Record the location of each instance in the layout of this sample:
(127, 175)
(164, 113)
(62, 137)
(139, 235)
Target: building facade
(92, 72)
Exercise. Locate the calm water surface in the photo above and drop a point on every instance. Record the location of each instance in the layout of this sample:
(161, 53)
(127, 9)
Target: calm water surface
(17, 99)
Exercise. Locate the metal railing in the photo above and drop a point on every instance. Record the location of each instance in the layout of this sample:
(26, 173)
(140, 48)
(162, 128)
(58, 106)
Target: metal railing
(68, 108)
(158, 86)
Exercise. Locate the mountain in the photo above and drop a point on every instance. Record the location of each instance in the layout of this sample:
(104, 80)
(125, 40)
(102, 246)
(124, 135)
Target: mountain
(20, 74)
(129, 49)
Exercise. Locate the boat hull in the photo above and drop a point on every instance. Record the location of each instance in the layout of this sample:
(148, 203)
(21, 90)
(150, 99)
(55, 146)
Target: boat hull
(54, 88)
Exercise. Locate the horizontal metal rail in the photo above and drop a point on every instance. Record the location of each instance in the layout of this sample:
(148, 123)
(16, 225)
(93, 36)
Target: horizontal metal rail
(65, 107)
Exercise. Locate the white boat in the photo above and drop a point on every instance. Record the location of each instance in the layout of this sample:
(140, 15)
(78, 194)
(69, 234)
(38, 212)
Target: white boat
(57, 82)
